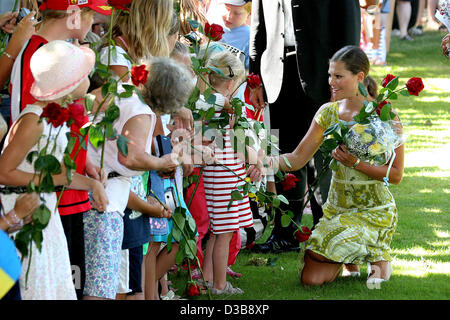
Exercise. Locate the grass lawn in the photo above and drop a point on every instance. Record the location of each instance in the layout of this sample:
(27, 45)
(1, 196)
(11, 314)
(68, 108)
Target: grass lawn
(420, 248)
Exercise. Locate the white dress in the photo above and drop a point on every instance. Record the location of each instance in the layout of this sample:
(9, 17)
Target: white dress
(50, 274)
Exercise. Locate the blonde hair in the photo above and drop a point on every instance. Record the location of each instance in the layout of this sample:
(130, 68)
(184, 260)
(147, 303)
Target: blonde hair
(189, 10)
(230, 66)
(248, 7)
(146, 27)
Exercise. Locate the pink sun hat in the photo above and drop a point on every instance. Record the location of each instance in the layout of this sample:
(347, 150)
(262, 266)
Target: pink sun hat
(59, 68)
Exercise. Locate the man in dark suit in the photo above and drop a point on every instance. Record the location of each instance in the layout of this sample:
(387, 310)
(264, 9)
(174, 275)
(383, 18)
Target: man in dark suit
(291, 42)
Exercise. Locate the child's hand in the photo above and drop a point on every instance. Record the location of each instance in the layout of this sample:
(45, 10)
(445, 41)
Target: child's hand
(100, 199)
(8, 21)
(163, 210)
(188, 168)
(170, 162)
(25, 28)
(227, 107)
(26, 205)
(183, 119)
(208, 157)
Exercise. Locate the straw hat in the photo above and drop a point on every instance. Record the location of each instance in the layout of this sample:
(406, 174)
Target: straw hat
(59, 68)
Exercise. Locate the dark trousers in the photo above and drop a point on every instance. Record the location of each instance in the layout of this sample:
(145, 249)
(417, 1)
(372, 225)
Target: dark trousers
(292, 114)
(74, 230)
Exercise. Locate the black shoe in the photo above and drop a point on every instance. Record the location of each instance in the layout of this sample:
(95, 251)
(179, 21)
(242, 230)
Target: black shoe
(275, 244)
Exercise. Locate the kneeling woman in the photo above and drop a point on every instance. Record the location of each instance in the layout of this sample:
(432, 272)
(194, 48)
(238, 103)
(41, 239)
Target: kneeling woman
(360, 215)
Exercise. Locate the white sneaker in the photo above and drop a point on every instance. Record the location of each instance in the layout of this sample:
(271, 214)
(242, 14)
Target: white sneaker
(229, 289)
(395, 32)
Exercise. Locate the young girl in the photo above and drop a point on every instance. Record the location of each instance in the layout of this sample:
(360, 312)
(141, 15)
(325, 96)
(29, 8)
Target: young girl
(360, 216)
(138, 34)
(219, 183)
(60, 70)
(179, 80)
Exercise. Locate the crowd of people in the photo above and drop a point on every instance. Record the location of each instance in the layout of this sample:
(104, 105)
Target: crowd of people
(109, 233)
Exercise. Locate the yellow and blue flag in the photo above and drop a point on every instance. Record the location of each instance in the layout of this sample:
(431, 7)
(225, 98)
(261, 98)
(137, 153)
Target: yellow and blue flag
(10, 267)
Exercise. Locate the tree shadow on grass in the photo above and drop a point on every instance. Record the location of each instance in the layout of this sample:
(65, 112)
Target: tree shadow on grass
(423, 205)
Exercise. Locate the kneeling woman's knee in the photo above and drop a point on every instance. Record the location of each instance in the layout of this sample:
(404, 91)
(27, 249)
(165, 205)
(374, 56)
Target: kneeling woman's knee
(312, 280)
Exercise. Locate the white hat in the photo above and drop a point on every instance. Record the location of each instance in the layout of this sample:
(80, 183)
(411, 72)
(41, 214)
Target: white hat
(59, 68)
(235, 2)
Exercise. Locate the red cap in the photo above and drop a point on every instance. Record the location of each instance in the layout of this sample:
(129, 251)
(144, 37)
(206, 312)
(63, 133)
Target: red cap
(100, 6)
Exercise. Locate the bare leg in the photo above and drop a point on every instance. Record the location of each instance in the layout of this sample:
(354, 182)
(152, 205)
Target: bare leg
(403, 14)
(164, 285)
(220, 259)
(150, 271)
(319, 270)
(419, 21)
(432, 21)
(207, 260)
(165, 260)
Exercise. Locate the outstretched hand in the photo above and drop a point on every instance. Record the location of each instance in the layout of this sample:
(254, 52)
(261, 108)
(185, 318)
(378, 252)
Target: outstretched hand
(257, 97)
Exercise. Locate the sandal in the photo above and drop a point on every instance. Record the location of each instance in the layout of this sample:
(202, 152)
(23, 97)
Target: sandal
(170, 296)
(347, 273)
(375, 281)
(233, 274)
(229, 289)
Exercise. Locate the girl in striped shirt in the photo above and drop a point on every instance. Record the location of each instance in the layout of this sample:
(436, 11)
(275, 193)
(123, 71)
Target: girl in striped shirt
(225, 217)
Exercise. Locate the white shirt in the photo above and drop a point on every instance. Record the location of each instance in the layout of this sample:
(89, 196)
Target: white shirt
(118, 188)
(289, 36)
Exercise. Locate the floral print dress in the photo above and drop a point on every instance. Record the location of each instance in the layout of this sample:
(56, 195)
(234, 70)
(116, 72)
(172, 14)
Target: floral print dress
(359, 216)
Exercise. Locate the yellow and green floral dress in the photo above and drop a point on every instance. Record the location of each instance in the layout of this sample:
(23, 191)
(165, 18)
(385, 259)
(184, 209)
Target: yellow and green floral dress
(359, 216)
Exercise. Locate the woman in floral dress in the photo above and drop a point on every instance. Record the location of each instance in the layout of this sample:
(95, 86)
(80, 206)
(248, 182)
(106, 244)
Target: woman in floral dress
(360, 215)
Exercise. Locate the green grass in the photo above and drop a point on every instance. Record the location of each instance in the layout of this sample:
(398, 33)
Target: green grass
(420, 247)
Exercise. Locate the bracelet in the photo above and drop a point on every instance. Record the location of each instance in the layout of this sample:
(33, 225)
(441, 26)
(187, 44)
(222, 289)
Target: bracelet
(7, 221)
(15, 219)
(356, 163)
(9, 56)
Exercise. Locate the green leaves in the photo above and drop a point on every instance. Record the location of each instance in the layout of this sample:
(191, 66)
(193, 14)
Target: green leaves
(96, 136)
(122, 144)
(47, 163)
(89, 100)
(362, 89)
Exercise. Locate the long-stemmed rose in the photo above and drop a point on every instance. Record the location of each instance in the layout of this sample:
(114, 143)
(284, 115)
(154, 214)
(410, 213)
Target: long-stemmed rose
(55, 114)
(214, 31)
(414, 86)
(253, 80)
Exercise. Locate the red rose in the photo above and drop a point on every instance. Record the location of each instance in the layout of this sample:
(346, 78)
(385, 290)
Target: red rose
(387, 79)
(77, 113)
(380, 106)
(214, 31)
(303, 235)
(253, 80)
(289, 182)
(139, 75)
(55, 114)
(414, 86)
(120, 4)
(192, 289)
